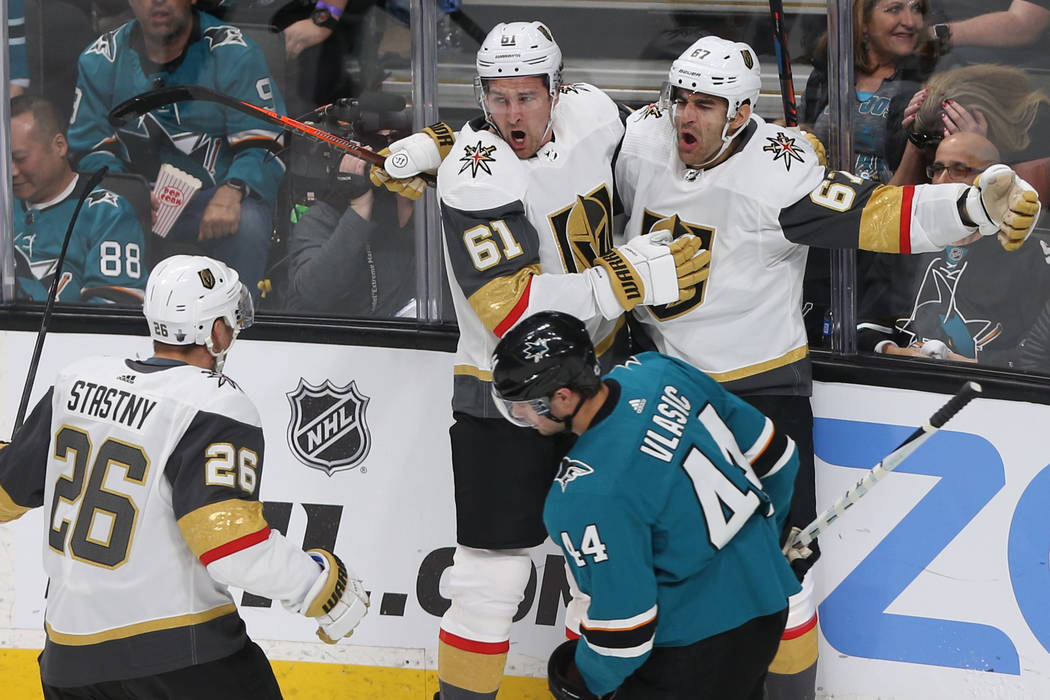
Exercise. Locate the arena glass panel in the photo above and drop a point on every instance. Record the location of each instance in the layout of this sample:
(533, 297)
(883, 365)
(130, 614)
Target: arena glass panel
(312, 238)
(985, 67)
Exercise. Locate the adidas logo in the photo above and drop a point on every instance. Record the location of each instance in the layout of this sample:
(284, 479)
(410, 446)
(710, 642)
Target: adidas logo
(129, 378)
(637, 404)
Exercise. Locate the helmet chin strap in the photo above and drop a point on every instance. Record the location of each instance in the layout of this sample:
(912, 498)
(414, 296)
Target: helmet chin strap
(220, 356)
(567, 420)
(726, 141)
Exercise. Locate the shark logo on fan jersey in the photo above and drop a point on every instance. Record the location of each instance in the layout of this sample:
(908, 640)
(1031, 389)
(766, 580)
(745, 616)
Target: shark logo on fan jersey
(105, 46)
(101, 196)
(223, 35)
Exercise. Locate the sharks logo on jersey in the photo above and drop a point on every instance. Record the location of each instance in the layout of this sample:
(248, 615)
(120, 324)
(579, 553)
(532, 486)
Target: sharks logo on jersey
(571, 470)
(584, 229)
(105, 46)
(100, 196)
(653, 221)
(41, 270)
(224, 35)
(157, 132)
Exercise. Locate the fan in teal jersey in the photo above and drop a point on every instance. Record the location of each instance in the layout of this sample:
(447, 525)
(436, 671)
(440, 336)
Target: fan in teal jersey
(669, 509)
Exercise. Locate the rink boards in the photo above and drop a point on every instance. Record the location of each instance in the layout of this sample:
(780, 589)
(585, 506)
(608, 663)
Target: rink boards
(935, 585)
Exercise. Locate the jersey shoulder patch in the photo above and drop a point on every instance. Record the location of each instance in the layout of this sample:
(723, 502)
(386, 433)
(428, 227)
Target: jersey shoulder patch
(482, 172)
(777, 164)
(650, 134)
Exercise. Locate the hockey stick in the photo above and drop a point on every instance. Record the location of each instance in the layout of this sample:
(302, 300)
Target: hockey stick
(154, 99)
(780, 43)
(96, 177)
(890, 462)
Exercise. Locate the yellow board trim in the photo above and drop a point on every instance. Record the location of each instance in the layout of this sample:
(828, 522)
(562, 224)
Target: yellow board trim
(165, 623)
(494, 301)
(299, 679)
(880, 221)
(216, 524)
(9, 510)
(785, 359)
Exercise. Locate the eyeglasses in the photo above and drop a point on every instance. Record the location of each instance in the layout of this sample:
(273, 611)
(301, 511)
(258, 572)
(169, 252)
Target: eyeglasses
(956, 170)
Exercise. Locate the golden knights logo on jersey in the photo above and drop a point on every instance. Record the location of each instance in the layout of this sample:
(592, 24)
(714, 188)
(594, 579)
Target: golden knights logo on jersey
(327, 429)
(653, 221)
(583, 229)
(783, 148)
(477, 158)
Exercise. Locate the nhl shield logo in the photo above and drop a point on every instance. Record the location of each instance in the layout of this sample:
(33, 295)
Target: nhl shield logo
(327, 429)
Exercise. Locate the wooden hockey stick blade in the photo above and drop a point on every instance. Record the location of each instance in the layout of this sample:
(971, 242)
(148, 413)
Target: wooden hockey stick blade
(969, 391)
(154, 99)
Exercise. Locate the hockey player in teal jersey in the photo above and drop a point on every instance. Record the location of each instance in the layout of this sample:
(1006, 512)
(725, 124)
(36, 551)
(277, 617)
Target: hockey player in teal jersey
(669, 509)
(105, 261)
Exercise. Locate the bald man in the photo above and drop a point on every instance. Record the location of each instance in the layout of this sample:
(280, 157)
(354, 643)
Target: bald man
(962, 302)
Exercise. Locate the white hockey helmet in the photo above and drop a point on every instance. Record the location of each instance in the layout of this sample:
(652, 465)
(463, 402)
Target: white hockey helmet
(184, 296)
(517, 49)
(716, 66)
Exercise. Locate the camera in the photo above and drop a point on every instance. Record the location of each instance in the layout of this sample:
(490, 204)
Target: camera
(372, 119)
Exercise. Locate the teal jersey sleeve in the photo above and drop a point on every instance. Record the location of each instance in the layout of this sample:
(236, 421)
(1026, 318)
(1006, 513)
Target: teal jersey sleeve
(607, 543)
(92, 140)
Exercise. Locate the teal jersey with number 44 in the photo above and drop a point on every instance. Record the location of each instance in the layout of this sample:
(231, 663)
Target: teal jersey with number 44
(669, 509)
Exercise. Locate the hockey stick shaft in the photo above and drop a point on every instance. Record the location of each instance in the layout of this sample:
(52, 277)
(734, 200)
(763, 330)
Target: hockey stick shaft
(890, 462)
(96, 177)
(154, 99)
(780, 44)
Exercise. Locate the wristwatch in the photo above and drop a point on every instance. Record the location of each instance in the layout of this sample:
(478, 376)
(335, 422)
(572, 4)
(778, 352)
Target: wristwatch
(943, 34)
(239, 185)
(325, 15)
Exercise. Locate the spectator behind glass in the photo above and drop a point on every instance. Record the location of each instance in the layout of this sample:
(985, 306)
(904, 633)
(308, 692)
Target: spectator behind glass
(996, 101)
(171, 43)
(352, 251)
(105, 259)
(960, 304)
(890, 57)
(992, 31)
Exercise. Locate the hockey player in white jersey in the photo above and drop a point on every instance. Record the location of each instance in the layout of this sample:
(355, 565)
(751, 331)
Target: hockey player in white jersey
(150, 471)
(527, 210)
(701, 162)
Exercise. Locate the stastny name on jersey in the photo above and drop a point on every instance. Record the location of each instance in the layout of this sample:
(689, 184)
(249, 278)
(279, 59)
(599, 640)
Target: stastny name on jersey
(109, 403)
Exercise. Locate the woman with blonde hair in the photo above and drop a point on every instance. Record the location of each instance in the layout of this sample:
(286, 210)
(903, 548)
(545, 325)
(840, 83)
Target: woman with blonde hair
(995, 101)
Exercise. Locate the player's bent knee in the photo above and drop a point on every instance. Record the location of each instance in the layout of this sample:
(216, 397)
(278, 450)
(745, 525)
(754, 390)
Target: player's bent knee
(486, 587)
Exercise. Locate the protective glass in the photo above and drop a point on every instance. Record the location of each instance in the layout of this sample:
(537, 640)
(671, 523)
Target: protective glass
(244, 314)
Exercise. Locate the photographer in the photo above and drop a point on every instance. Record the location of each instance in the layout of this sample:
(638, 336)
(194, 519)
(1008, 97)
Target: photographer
(351, 253)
